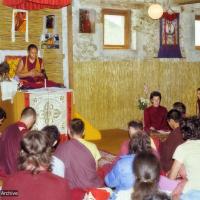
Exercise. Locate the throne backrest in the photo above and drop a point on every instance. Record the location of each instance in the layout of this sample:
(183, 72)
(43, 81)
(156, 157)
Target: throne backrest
(12, 57)
(12, 62)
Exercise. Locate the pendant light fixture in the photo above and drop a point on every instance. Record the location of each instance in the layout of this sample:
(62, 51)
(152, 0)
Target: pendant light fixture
(155, 11)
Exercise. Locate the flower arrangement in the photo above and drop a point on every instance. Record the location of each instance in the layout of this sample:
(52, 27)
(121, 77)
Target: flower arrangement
(143, 102)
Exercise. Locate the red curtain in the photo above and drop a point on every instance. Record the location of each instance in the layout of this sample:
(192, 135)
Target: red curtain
(36, 4)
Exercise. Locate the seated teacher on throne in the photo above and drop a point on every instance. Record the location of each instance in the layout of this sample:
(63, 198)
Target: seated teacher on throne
(31, 72)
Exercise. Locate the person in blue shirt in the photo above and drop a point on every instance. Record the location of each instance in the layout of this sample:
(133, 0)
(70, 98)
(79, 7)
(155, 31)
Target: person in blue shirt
(121, 177)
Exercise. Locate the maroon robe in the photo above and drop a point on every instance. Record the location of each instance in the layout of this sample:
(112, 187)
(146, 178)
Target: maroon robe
(36, 82)
(80, 165)
(155, 117)
(198, 107)
(10, 146)
(168, 147)
(42, 186)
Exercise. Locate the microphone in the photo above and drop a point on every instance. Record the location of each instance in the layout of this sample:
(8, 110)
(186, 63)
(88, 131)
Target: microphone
(44, 74)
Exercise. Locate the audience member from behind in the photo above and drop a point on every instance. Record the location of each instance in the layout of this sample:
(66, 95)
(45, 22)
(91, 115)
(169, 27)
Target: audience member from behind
(35, 180)
(158, 196)
(198, 103)
(180, 107)
(53, 135)
(174, 139)
(2, 117)
(188, 154)
(121, 177)
(133, 128)
(146, 168)
(155, 115)
(79, 158)
(11, 138)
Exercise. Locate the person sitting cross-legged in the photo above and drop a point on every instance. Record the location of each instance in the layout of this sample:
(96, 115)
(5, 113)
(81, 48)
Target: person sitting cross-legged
(146, 168)
(187, 155)
(53, 134)
(11, 138)
(121, 177)
(155, 115)
(77, 159)
(173, 140)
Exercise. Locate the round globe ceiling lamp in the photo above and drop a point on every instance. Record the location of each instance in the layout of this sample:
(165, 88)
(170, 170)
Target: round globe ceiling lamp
(155, 11)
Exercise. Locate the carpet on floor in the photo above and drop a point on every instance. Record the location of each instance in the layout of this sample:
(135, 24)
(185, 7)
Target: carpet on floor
(106, 158)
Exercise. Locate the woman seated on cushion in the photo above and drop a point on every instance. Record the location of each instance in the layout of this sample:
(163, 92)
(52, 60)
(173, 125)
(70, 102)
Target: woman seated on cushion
(31, 70)
(155, 116)
(146, 168)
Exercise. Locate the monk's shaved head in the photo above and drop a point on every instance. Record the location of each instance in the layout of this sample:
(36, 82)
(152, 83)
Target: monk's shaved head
(28, 112)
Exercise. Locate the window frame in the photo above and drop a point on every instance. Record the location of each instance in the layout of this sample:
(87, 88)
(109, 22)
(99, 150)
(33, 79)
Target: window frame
(127, 28)
(197, 17)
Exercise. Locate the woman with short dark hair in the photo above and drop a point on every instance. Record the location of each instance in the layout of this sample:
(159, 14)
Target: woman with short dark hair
(35, 180)
(155, 115)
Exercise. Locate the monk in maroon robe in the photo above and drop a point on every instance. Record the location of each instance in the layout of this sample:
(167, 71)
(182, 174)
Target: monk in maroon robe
(174, 139)
(11, 138)
(80, 167)
(155, 115)
(31, 71)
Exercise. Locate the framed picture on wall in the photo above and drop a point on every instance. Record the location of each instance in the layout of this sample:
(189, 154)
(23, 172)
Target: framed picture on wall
(87, 20)
(50, 41)
(50, 22)
(19, 24)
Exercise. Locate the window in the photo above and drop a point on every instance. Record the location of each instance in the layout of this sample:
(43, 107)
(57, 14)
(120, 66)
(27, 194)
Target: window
(197, 32)
(116, 29)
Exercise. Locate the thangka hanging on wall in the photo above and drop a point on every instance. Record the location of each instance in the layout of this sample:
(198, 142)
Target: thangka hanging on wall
(169, 36)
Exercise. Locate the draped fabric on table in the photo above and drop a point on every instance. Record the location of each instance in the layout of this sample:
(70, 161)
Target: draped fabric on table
(169, 36)
(36, 4)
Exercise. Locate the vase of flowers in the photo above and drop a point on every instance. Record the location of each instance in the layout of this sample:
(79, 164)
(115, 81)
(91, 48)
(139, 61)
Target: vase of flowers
(143, 102)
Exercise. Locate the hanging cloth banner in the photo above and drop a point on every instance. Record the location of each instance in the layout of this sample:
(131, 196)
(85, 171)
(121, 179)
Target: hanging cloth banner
(19, 23)
(36, 4)
(169, 36)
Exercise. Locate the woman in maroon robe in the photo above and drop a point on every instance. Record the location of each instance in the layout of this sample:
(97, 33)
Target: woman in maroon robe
(155, 116)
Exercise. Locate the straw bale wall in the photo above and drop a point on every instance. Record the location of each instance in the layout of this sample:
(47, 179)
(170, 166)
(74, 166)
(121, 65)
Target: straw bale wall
(107, 93)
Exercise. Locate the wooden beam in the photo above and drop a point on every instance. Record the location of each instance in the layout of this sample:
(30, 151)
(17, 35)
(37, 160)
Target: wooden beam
(183, 2)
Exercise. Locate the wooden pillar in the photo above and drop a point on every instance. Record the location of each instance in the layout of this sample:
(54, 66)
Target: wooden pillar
(70, 45)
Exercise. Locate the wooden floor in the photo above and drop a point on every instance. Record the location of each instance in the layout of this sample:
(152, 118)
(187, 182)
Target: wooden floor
(111, 140)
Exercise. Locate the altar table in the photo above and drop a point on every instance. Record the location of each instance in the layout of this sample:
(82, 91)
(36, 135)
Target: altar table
(53, 107)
